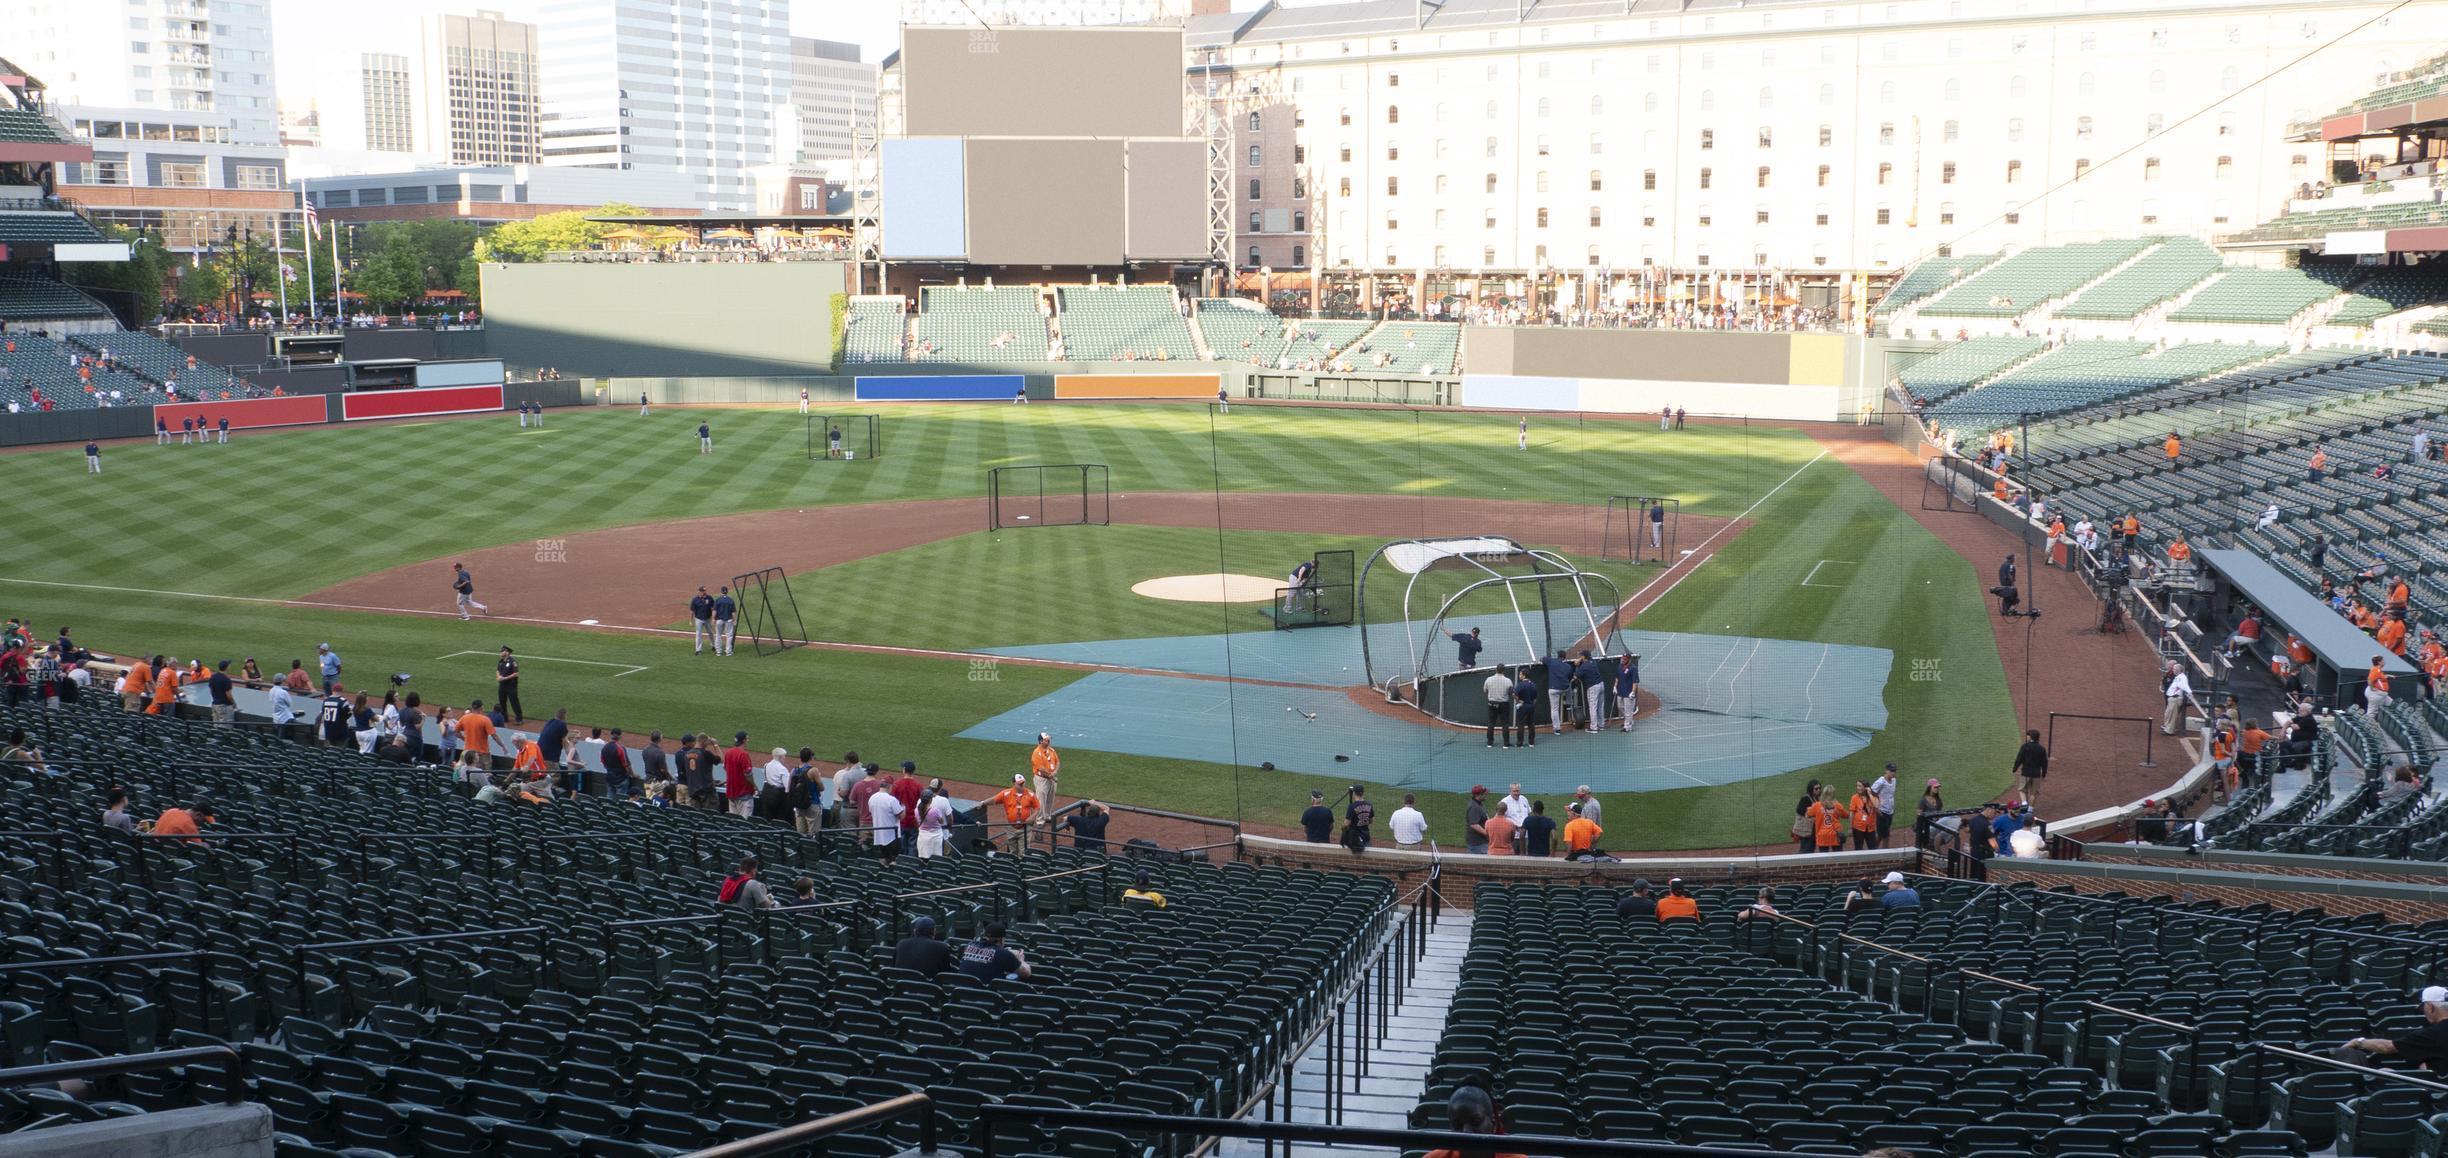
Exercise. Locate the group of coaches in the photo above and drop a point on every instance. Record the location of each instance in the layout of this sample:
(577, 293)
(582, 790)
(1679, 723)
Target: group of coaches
(716, 617)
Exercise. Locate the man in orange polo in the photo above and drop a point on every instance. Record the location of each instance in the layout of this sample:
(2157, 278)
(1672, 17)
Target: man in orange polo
(476, 731)
(139, 685)
(1020, 805)
(2174, 446)
(2376, 686)
(165, 689)
(2392, 635)
(1046, 764)
(1580, 834)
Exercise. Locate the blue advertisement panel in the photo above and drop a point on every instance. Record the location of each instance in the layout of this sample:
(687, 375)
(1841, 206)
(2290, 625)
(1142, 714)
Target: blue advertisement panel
(938, 387)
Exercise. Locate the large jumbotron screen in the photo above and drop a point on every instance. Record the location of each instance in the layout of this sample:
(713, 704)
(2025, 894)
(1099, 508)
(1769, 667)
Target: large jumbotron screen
(1036, 82)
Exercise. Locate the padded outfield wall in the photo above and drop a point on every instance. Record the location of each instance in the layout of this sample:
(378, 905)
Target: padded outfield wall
(1809, 377)
(676, 319)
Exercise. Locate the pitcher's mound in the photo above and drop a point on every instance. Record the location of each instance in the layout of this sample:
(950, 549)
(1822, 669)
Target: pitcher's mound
(1226, 588)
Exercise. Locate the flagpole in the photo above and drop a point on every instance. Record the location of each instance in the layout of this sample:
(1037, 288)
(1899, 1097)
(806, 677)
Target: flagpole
(314, 308)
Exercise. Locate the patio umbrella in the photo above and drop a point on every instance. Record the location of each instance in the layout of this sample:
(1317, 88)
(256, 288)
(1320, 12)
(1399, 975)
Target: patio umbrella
(731, 235)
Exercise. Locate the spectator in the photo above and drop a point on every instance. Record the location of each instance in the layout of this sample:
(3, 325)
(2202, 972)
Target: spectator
(2424, 1048)
(1860, 896)
(739, 781)
(848, 778)
(2401, 783)
(907, 788)
(1317, 821)
(1538, 832)
(1979, 840)
(1472, 1111)
(1899, 895)
(115, 811)
(1358, 815)
(1087, 824)
(923, 951)
(1498, 691)
(619, 783)
(1827, 820)
(989, 959)
(653, 765)
(2151, 827)
(224, 705)
(1863, 809)
(803, 891)
(1588, 804)
(1765, 902)
(884, 813)
(1581, 836)
(1678, 903)
(696, 772)
(1409, 824)
(553, 737)
(2030, 767)
(774, 786)
(1018, 803)
(1144, 891)
(1474, 822)
(1501, 833)
(742, 888)
(182, 820)
(1637, 904)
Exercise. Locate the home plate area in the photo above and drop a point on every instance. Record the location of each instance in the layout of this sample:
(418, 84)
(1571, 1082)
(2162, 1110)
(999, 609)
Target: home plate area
(1733, 708)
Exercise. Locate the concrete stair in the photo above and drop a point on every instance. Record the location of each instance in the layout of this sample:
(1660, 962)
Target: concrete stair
(1398, 1064)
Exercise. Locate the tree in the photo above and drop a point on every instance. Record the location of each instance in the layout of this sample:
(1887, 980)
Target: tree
(133, 287)
(530, 240)
(394, 275)
(203, 285)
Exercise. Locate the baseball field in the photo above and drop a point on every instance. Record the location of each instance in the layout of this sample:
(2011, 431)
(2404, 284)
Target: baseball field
(1801, 626)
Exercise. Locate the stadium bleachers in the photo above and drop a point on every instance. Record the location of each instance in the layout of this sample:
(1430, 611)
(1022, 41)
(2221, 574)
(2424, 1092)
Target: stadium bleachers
(1789, 1035)
(44, 227)
(1238, 330)
(158, 361)
(876, 330)
(2387, 292)
(38, 361)
(1963, 363)
(2029, 278)
(2082, 374)
(1928, 277)
(2321, 222)
(1106, 323)
(2174, 267)
(1410, 346)
(2256, 297)
(26, 295)
(29, 126)
(976, 324)
(703, 1024)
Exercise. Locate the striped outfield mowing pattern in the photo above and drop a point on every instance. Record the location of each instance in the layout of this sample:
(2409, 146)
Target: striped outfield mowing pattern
(285, 513)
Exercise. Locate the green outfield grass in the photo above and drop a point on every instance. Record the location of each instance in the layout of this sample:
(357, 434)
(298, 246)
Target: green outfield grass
(278, 514)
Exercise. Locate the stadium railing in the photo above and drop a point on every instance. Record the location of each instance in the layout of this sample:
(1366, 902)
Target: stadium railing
(233, 1086)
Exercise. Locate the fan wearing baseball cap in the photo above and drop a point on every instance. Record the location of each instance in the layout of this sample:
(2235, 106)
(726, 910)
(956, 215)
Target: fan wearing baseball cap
(1899, 893)
(2425, 1048)
(1019, 804)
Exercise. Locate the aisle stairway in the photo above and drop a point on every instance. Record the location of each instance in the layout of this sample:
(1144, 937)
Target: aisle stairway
(1397, 1065)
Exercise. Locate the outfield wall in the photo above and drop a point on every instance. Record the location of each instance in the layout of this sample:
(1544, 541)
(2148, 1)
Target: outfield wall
(937, 387)
(1803, 377)
(250, 413)
(664, 318)
(1137, 385)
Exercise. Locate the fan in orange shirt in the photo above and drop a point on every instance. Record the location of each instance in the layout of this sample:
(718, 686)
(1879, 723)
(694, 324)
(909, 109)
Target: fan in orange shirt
(2398, 595)
(2174, 446)
(2298, 650)
(1678, 902)
(1827, 821)
(476, 729)
(1019, 804)
(165, 691)
(2392, 636)
(2180, 551)
(139, 682)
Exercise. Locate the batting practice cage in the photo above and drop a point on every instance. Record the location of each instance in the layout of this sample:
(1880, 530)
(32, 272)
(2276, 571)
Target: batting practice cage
(1323, 598)
(1641, 529)
(1526, 604)
(1076, 494)
(849, 437)
(768, 611)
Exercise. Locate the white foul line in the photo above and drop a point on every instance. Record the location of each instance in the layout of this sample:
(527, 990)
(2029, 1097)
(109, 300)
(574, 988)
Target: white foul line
(628, 669)
(1712, 537)
(1814, 571)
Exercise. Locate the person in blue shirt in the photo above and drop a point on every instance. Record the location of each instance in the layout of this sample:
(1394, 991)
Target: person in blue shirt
(1899, 895)
(705, 438)
(1594, 690)
(726, 621)
(161, 432)
(2004, 828)
(1559, 682)
(1317, 822)
(225, 428)
(701, 612)
(1525, 710)
(1469, 645)
(1627, 689)
(93, 458)
(186, 431)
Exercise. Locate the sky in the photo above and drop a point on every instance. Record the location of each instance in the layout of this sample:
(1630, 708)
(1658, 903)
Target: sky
(305, 32)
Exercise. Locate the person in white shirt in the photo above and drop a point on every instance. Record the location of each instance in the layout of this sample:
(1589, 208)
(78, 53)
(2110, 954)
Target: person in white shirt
(1515, 805)
(282, 710)
(2269, 518)
(2178, 690)
(884, 824)
(934, 822)
(775, 784)
(1409, 824)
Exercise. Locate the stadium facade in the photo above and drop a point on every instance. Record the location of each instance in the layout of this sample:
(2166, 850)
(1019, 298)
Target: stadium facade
(1834, 142)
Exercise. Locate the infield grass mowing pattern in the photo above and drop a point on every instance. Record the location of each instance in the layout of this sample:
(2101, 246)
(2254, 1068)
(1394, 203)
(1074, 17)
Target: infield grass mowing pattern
(277, 514)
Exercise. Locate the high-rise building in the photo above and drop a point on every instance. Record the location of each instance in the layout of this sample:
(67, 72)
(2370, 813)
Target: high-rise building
(1054, 13)
(691, 85)
(177, 56)
(832, 92)
(477, 98)
(364, 102)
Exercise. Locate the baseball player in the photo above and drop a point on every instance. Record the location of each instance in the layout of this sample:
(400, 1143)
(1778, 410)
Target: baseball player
(803, 401)
(161, 432)
(833, 442)
(726, 621)
(701, 610)
(93, 458)
(641, 404)
(1521, 440)
(522, 413)
(705, 438)
(1223, 401)
(463, 585)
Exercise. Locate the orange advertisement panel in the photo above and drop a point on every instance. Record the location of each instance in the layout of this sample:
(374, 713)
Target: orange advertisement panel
(1136, 385)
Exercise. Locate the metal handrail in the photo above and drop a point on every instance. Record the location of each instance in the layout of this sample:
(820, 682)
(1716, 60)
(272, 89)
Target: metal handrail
(233, 1087)
(992, 1113)
(2333, 1063)
(793, 1137)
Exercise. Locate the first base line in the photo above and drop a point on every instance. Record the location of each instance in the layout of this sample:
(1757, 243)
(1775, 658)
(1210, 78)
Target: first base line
(626, 669)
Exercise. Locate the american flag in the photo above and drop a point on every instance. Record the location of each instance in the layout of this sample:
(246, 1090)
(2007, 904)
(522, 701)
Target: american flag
(314, 224)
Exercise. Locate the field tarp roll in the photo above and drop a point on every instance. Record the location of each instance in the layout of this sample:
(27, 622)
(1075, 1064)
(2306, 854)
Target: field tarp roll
(291, 410)
(1136, 385)
(357, 407)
